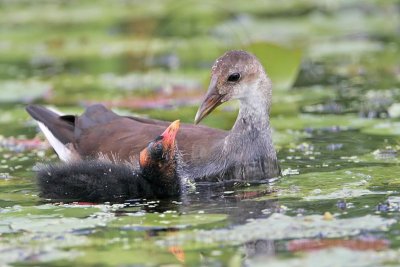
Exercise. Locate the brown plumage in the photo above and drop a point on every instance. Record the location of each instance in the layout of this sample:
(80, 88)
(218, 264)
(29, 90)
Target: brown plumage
(245, 153)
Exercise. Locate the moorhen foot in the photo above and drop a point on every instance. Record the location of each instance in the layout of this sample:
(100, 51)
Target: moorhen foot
(161, 174)
(245, 153)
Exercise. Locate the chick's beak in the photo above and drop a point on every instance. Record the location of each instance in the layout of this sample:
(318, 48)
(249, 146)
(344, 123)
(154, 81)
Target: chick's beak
(212, 100)
(169, 134)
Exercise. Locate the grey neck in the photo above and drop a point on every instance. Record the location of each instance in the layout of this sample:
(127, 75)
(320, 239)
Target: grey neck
(253, 114)
(247, 152)
(252, 125)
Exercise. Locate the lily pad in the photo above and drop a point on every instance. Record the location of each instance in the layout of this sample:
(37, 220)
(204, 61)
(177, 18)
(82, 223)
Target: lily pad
(23, 91)
(166, 220)
(336, 256)
(281, 63)
(343, 48)
(280, 226)
(384, 128)
(51, 219)
(339, 184)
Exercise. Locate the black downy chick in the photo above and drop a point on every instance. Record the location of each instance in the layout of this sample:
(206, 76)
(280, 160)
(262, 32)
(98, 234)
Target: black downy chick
(161, 174)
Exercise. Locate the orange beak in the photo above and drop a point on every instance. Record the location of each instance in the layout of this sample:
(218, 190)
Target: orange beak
(169, 134)
(168, 142)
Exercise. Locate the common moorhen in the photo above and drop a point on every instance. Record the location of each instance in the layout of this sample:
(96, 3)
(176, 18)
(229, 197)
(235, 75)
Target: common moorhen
(161, 174)
(245, 153)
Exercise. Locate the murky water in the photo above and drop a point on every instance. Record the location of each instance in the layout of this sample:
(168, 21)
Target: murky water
(336, 130)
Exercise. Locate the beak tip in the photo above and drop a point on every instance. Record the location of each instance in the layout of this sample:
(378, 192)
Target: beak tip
(197, 118)
(172, 130)
(176, 124)
(212, 100)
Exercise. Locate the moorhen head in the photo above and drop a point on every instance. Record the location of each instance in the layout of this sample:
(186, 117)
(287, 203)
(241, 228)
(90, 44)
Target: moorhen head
(236, 75)
(160, 175)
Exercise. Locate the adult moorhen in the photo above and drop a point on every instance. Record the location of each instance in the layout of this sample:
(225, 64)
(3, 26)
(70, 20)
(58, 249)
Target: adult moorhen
(161, 174)
(245, 153)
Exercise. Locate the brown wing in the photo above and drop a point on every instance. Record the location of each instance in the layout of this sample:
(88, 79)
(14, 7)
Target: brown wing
(100, 130)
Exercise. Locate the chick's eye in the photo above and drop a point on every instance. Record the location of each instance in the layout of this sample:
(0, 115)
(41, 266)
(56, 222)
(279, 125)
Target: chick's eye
(234, 77)
(155, 148)
(159, 148)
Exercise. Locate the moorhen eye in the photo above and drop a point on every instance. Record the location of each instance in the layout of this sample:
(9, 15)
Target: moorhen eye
(234, 77)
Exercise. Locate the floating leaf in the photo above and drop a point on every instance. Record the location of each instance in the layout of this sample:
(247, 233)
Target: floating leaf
(383, 128)
(332, 257)
(281, 63)
(26, 91)
(280, 226)
(166, 220)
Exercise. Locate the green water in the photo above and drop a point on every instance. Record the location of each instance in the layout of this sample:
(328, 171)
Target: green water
(335, 116)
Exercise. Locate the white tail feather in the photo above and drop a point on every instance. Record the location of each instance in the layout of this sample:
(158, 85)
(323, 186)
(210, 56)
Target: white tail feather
(62, 150)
